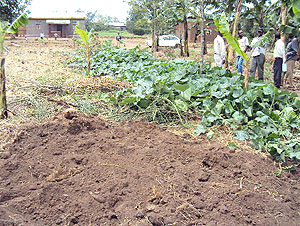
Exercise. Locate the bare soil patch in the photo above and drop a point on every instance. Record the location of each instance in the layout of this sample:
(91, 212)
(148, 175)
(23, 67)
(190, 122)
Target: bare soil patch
(81, 170)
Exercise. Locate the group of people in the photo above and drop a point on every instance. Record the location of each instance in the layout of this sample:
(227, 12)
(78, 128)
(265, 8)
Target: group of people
(284, 58)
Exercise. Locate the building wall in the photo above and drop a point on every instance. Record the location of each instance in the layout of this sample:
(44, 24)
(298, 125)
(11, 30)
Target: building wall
(73, 24)
(37, 26)
(210, 30)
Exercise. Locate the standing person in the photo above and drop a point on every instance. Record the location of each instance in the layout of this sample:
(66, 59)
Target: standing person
(291, 57)
(258, 57)
(279, 56)
(244, 45)
(118, 38)
(219, 50)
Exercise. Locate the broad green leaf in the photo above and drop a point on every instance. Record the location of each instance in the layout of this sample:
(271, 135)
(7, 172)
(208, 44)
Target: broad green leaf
(241, 135)
(181, 105)
(200, 129)
(210, 134)
(144, 103)
(128, 100)
(269, 90)
(20, 21)
(231, 145)
(180, 87)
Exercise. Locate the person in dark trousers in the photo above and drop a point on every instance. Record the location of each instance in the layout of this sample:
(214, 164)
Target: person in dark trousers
(118, 37)
(279, 56)
(291, 58)
(258, 57)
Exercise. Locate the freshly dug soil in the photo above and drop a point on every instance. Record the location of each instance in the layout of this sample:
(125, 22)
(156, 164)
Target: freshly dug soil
(81, 170)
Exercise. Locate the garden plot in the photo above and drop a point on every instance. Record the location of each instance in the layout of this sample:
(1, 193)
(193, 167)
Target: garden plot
(77, 169)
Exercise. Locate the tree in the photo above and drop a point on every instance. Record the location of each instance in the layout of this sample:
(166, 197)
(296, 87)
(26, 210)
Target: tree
(11, 9)
(152, 11)
(4, 30)
(138, 21)
(98, 22)
(293, 23)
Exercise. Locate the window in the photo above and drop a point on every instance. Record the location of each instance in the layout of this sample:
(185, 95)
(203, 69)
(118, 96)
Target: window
(38, 26)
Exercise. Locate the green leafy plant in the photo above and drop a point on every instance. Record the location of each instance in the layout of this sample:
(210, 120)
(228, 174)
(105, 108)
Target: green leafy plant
(86, 41)
(164, 90)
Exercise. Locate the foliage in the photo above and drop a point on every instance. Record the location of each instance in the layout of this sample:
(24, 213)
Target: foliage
(270, 119)
(223, 27)
(11, 28)
(294, 20)
(114, 32)
(86, 41)
(11, 9)
(138, 22)
(98, 22)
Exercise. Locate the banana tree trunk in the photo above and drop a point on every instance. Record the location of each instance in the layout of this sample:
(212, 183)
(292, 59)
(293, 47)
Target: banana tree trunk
(236, 19)
(261, 14)
(202, 36)
(284, 19)
(186, 36)
(154, 31)
(3, 104)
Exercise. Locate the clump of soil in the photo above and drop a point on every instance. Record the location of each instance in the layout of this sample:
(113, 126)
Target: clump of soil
(80, 170)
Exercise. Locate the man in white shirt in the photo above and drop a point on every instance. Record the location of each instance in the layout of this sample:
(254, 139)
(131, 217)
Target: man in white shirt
(279, 56)
(244, 45)
(258, 57)
(219, 50)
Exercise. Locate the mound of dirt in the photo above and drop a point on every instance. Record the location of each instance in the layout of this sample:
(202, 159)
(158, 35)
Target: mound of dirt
(79, 170)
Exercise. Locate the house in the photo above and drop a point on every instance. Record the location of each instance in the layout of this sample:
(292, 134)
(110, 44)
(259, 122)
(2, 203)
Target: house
(118, 26)
(62, 24)
(194, 32)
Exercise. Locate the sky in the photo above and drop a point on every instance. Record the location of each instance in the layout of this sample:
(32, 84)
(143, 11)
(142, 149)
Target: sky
(113, 8)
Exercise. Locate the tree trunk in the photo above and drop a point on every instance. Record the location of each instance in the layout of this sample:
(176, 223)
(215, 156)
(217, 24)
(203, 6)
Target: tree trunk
(202, 36)
(181, 48)
(284, 19)
(261, 14)
(3, 105)
(186, 37)
(154, 39)
(236, 19)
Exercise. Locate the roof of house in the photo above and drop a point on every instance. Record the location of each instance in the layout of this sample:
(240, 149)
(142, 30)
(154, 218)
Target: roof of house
(117, 24)
(58, 15)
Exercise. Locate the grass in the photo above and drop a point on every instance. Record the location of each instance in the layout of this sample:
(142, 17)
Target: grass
(113, 33)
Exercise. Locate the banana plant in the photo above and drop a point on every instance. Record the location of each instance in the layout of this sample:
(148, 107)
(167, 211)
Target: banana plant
(4, 30)
(86, 41)
(223, 26)
(294, 22)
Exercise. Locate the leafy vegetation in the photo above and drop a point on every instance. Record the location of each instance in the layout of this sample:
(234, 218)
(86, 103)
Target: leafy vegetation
(11, 9)
(86, 40)
(259, 113)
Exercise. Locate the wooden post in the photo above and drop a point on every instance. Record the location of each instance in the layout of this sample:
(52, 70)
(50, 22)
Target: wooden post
(3, 104)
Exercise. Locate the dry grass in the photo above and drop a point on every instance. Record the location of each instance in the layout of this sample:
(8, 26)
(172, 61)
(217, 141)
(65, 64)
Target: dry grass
(39, 85)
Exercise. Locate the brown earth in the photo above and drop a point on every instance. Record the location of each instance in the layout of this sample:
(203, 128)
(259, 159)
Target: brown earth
(75, 169)
(81, 170)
